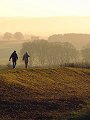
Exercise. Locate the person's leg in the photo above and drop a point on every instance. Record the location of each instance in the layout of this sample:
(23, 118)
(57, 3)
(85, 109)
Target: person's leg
(26, 65)
(13, 64)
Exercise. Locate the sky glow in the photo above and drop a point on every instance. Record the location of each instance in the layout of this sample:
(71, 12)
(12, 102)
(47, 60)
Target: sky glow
(44, 8)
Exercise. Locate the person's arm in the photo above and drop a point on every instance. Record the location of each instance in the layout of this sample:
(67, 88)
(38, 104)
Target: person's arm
(23, 57)
(17, 57)
(28, 55)
(10, 57)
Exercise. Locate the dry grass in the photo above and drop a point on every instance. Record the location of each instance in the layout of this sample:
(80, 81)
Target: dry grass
(43, 93)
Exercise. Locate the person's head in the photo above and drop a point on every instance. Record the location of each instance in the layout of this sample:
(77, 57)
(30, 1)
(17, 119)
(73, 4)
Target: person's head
(14, 51)
(26, 52)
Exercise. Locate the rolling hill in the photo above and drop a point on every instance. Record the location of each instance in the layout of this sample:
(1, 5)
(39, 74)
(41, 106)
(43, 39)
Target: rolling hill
(44, 93)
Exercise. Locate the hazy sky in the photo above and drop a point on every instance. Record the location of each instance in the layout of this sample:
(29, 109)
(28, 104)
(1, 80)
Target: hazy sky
(40, 8)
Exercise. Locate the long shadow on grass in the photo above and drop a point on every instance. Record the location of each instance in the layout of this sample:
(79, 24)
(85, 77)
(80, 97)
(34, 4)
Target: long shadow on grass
(38, 110)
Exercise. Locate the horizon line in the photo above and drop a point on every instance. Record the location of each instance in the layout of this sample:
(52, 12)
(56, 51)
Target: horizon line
(40, 16)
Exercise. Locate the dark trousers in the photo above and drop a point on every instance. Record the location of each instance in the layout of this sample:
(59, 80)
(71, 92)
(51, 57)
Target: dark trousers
(26, 64)
(14, 64)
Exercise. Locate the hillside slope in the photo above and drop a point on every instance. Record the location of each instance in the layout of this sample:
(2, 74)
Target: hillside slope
(43, 93)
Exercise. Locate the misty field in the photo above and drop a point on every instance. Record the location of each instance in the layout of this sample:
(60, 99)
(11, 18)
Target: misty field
(45, 94)
(6, 48)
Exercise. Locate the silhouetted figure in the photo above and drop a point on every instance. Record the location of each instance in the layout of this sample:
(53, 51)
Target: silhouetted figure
(14, 57)
(25, 58)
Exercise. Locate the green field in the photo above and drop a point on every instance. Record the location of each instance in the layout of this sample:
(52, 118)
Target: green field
(45, 94)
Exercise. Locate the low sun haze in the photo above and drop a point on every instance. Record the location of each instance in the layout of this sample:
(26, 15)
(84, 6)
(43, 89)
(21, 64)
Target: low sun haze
(46, 25)
(42, 8)
(43, 18)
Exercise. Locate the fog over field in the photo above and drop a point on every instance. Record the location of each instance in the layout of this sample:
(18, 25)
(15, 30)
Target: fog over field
(72, 29)
(44, 26)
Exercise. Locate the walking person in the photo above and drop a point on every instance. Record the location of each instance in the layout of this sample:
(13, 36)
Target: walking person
(14, 58)
(25, 58)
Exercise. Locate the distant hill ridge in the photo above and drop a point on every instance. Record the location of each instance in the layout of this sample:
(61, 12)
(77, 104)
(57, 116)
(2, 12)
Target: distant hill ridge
(46, 26)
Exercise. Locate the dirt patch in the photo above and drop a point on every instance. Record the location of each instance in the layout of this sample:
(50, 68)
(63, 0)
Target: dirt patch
(38, 110)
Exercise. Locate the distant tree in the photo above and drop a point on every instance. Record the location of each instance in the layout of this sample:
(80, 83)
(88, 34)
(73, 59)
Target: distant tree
(7, 36)
(44, 53)
(61, 53)
(55, 38)
(18, 36)
(33, 38)
(74, 38)
(70, 53)
(86, 54)
(53, 54)
(41, 50)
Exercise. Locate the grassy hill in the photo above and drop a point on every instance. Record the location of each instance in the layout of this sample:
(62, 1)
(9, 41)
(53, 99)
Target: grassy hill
(45, 94)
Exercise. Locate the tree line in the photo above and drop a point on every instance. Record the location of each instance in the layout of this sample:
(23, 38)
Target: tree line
(70, 37)
(45, 53)
(12, 36)
(58, 49)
